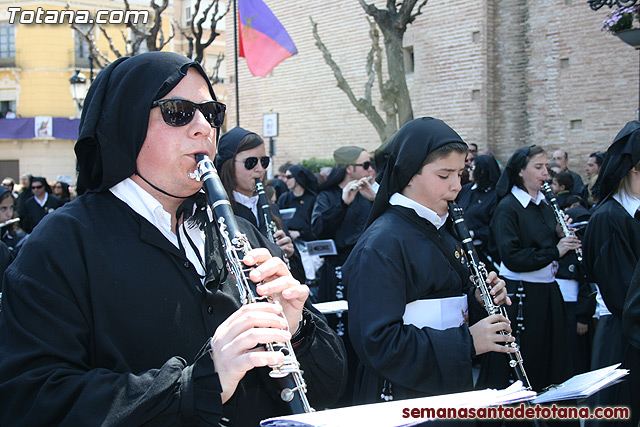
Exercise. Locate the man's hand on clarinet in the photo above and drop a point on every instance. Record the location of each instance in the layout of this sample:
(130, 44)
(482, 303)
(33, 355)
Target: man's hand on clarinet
(234, 346)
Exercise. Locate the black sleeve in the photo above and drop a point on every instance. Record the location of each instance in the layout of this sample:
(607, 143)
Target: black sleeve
(5, 260)
(507, 230)
(327, 215)
(631, 313)
(610, 259)
(377, 299)
(318, 349)
(46, 375)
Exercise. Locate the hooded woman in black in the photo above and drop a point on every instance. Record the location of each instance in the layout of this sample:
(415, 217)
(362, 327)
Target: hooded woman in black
(612, 250)
(408, 265)
(303, 188)
(239, 182)
(524, 234)
(479, 200)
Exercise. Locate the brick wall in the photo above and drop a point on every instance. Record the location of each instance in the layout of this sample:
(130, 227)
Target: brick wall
(503, 73)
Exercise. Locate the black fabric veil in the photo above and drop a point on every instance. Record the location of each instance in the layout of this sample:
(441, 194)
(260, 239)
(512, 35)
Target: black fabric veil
(490, 170)
(621, 156)
(115, 116)
(305, 178)
(511, 170)
(402, 155)
(228, 144)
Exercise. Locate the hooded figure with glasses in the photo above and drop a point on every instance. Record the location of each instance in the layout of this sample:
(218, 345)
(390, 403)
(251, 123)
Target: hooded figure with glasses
(119, 309)
(242, 159)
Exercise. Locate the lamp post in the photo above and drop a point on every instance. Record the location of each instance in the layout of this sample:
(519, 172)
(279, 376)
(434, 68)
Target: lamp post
(77, 82)
(90, 58)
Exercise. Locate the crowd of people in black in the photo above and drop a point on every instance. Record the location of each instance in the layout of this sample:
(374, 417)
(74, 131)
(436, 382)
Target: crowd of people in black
(153, 331)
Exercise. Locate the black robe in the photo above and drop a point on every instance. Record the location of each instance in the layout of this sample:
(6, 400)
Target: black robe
(396, 262)
(105, 322)
(526, 241)
(611, 252)
(478, 206)
(301, 220)
(295, 261)
(33, 212)
(333, 219)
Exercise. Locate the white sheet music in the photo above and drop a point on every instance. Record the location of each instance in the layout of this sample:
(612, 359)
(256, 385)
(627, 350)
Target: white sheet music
(583, 385)
(390, 414)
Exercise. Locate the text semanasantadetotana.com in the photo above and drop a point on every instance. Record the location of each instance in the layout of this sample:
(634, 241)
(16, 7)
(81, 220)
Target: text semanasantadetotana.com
(522, 412)
(44, 16)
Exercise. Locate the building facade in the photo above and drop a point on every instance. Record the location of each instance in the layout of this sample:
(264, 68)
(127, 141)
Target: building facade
(503, 73)
(37, 60)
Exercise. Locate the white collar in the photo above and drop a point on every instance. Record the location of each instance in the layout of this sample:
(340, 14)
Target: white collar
(44, 201)
(250, 202)
(630, 203)
(145, 205)
(398, 199)
(524, 198)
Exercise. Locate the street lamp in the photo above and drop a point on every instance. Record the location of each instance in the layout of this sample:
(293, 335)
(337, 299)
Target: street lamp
(78, 90)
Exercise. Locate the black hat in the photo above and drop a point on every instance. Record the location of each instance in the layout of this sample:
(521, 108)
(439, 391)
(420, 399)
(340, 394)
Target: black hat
(516, 162)
(620, 157)
(115, 116)
(304, 177)
(489, 167)
(402, 156)
(228, 145)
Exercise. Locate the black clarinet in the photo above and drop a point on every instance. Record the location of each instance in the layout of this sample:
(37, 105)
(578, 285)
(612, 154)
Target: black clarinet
(546, 190)
(236, 245)
(269, 223)
(479, 275)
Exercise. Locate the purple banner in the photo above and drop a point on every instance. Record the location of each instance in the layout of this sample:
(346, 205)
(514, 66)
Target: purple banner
(24, 128)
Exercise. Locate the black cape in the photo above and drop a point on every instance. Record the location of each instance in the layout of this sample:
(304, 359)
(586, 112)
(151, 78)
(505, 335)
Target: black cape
(114, 329)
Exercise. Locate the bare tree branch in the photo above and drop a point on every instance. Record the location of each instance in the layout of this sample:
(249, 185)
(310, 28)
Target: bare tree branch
(101, 60)
(186, 36)
(364, 106)
(215, 72)
(395, 101)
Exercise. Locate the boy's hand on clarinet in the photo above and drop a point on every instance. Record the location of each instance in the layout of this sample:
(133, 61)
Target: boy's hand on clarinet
(486, 336)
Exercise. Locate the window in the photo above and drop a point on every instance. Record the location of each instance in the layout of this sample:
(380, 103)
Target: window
(6, 106)
(7, 44)
(82, 50)
(408, 59)
(187, 15)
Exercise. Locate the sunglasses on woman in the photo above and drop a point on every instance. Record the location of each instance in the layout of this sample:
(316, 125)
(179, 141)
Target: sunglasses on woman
(252, 162)
(180, 112)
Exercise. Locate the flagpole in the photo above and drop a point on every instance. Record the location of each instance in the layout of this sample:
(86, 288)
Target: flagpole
(235, 45)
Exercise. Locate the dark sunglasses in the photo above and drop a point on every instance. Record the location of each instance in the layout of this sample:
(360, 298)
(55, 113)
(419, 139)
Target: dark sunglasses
(288, 176)
(180, 112)
(252, 162)
(365, 165)
(36, 187)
